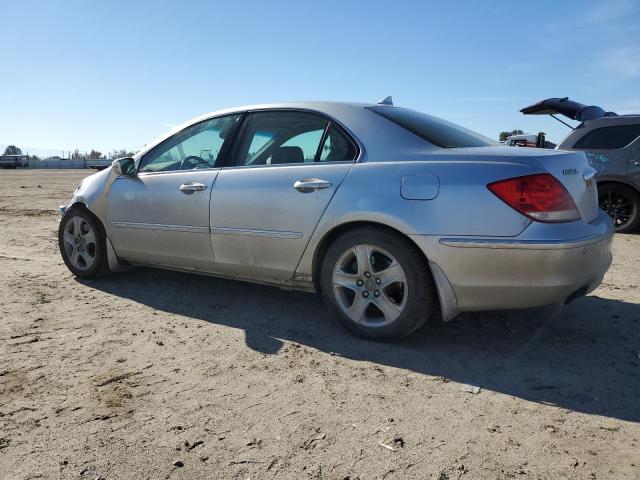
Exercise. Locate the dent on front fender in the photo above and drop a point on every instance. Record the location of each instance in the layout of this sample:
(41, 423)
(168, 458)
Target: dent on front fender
(92, 192)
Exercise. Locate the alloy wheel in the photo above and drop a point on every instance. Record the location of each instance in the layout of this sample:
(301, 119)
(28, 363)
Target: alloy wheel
(617, 205)
(79, 243)
(370, 285)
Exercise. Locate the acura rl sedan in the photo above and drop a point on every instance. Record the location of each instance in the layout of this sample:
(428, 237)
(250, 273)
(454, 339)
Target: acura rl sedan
(393, 215)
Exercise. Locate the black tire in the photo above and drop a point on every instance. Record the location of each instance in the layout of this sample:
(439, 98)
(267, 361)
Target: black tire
(622, 203)
(99, 266)
(421, 302)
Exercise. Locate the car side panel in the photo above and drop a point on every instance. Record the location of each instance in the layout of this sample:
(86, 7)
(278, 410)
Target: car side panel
(261, 224)
(633, 164)
(463, 205)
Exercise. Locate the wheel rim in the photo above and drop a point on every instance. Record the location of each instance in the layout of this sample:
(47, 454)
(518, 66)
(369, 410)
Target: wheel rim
(370, 286)
(618, 206)
(79, 243)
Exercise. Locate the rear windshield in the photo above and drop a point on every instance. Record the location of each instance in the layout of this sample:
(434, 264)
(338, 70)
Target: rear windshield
(432, 129)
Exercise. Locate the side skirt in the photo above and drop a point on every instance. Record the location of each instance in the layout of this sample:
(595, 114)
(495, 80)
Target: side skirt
(284, 285)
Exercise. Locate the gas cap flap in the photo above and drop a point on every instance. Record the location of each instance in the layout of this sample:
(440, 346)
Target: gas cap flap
(420, 187)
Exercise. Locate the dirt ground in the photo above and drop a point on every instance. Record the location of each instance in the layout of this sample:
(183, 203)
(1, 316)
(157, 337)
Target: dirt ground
(154, 374)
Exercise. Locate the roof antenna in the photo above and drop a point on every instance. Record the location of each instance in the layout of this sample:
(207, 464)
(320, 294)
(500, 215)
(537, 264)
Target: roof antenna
(386, 101)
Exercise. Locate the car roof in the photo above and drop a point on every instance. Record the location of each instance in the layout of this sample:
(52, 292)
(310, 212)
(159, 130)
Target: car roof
(330, 108)
(617, 120)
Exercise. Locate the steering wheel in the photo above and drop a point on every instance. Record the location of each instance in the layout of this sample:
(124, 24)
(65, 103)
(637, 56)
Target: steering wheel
(193, 161)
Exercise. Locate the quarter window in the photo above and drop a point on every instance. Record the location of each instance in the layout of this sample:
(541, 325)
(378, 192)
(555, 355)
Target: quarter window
(609, 138)
(337, 147)
(197, 146)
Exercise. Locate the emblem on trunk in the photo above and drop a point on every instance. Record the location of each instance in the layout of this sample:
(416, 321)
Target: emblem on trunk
(569, 171)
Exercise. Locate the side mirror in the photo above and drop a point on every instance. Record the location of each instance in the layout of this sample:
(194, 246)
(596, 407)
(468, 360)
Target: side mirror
(124, 166)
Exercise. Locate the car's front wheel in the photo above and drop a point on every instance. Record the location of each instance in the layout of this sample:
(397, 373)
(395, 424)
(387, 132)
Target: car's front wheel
(622, 204)
(378, 284)
(82, 243)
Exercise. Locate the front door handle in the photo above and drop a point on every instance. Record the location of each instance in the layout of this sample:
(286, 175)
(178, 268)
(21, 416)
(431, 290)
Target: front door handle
(307, 185)
(637, 163)
(189, 188)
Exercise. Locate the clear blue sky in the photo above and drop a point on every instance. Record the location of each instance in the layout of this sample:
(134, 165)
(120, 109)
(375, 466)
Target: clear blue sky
(117, 74)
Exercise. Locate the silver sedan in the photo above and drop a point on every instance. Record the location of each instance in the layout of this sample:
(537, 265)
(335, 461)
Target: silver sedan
(393, 215)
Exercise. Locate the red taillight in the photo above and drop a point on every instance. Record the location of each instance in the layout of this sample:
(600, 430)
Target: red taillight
(540, 197)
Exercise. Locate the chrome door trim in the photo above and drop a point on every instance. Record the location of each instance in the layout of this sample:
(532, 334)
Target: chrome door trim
(253, 232)
(159, 226)
(192, 187)
(521, 244)
(168, 172)
(308, 185)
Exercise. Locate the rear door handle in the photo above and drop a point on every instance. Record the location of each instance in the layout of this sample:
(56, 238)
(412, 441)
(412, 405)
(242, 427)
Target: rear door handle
(637, 163)
(189, 188)
(307, 185)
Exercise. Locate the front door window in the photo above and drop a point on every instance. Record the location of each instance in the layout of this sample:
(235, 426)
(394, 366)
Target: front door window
(197, 146)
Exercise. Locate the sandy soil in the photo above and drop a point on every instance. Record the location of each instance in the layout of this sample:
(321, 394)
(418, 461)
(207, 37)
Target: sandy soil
(154, 374)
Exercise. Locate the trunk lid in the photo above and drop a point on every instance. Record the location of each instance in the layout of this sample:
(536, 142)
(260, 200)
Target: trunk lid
(572, 169)
(575, 173)
(568, 108)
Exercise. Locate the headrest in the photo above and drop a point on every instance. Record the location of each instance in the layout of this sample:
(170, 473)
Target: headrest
(287, 155)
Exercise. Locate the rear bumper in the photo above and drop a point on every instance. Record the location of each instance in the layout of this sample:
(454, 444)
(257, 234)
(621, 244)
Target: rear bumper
(517, 272)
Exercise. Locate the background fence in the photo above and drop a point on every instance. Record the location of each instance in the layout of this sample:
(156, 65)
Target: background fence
(54, 163)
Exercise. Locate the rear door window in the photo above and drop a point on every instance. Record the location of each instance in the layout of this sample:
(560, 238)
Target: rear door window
(609, 138)
(290, 137)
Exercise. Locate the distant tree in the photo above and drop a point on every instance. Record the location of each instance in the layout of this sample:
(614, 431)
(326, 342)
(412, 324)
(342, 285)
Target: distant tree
(76, 155)
(34, 157)
(504, 135)
(12, 150)
(94, 155)
(120, 153)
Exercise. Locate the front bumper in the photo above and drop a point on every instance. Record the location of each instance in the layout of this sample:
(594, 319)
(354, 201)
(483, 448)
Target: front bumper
(518, 272)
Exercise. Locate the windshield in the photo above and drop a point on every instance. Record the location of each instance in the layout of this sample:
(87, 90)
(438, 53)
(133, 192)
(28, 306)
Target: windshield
(432, 129)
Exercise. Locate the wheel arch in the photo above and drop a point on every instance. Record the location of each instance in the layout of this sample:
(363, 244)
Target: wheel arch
(330, 236)
(83, 206)
(114, 263)
(619, 181)
(634, 222)
(445, 292)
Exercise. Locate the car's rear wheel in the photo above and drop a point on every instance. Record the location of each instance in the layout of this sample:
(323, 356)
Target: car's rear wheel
(622, 204)
(82, 243)
(377, 284)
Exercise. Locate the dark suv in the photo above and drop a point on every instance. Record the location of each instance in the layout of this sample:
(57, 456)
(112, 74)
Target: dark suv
(612, 143)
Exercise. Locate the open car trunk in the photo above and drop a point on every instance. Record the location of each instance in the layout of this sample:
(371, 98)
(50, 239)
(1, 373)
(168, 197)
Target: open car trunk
(568, 108)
